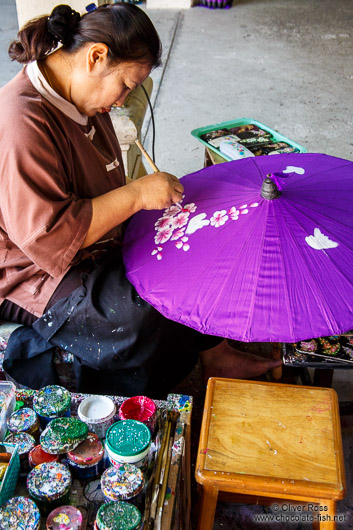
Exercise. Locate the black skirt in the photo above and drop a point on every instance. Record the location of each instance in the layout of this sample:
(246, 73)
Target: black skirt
(121, 344)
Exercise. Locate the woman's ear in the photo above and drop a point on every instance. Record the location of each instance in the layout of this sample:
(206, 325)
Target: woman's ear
(97, 56)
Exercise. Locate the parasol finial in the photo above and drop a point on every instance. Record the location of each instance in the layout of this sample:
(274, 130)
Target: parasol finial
(269, 189)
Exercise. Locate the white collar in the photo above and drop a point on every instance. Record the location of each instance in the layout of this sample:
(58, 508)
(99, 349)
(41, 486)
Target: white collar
(40, 83)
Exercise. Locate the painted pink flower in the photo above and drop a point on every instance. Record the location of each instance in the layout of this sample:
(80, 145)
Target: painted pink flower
(180, 220)
(233, 213)
(163, 222)
(163, 235)
(219, 218)
(177, 234)
(190, 207)
(172, 210)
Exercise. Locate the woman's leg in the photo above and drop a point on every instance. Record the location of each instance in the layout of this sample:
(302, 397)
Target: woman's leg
(224, 361)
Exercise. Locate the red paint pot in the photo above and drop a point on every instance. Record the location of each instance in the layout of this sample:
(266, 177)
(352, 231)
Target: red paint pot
(140, 408)
(37, 456)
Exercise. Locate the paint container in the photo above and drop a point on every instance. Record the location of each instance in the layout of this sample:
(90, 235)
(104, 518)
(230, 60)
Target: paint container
(24, 420)
(25, 443)
(86, 461)
(98, 413)
(52, 402)
(63, 435)
(37, 456)
(65, 518)
(140, 408)
(123, 483)
(49, 486)
(129, 442)
(118, 515)
(18, 513)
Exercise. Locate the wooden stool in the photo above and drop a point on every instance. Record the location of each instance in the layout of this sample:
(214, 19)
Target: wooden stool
(265, 442)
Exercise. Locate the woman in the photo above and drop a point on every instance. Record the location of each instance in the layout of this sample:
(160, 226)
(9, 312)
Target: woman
(63, 204)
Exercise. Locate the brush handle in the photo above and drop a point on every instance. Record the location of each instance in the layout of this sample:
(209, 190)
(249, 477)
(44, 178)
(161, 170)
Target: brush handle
(146, 155)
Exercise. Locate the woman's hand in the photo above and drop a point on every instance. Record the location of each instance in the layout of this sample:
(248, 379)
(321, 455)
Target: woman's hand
(152, 192)
(158, 190)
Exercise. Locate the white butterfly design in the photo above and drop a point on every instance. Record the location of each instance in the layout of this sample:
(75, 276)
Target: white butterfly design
(319, 241)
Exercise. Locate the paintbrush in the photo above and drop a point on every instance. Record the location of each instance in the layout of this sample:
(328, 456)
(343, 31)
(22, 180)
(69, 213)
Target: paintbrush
(146, 155)
(156, 482)
(172, 416)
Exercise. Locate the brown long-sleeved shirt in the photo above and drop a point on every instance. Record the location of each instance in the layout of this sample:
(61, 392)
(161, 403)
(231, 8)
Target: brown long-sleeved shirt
(53, 160)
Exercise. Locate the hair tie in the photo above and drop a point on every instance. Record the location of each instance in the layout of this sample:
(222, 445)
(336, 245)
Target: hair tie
(62, 23)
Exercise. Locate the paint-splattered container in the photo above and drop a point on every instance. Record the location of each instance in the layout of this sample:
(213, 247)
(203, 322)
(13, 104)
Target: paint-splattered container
(24, 420)
(37, 456)
(25, 443)
(49, 485)
(86, 461)
(139, 408)
(52, 402)
(62, 435)
(65, 518)
(19, 513)
(98, 413)
(124, 482)
(118, 516)
(128, 441)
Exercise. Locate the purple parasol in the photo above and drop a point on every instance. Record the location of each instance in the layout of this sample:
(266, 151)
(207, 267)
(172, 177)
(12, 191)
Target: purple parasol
(234, 262)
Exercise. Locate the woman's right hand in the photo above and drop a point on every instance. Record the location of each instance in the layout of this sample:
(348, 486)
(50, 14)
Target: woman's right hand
(158, 190)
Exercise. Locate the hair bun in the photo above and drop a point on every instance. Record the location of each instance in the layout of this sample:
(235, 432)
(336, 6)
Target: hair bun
(62, 23)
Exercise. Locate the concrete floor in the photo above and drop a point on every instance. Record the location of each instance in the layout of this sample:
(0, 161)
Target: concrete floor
(285, 63)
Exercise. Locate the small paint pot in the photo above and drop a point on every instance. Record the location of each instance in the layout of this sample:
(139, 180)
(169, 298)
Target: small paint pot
(49, 486)
(24, 420)
(124, 482)
(98, 413)
(86, 461)
(25, 443)
(65, 518)
(52, 402)
(63, 435)
(37, 456)
(128, 442)
(122, 515)
(19, 512)
(140, 408)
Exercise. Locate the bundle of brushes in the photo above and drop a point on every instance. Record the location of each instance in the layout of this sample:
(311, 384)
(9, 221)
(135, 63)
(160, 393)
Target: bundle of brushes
(216, 4)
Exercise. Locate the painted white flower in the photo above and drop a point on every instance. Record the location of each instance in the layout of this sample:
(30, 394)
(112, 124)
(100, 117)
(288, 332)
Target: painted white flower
(163, 235)
(219, 218)
(243, 206)
(319, 241)
(233, 213)
(186, 247)
(244, 211)
(177, 234)
(180, 220)
(190, 207)
(163, 222)
(179, 244)
(197, 222)
(294, 169)
(159, 256)
(254, 204)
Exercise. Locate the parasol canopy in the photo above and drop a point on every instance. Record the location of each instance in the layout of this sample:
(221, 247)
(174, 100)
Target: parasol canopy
(259, 249)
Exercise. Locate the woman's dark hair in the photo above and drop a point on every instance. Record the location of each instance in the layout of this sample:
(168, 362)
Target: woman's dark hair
(124, 28)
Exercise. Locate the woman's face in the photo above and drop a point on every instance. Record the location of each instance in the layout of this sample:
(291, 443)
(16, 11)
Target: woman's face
(102, 85)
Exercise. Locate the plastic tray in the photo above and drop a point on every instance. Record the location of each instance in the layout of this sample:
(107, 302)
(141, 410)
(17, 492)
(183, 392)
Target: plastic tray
(9, 481)
(197, 133)
(7, 406)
